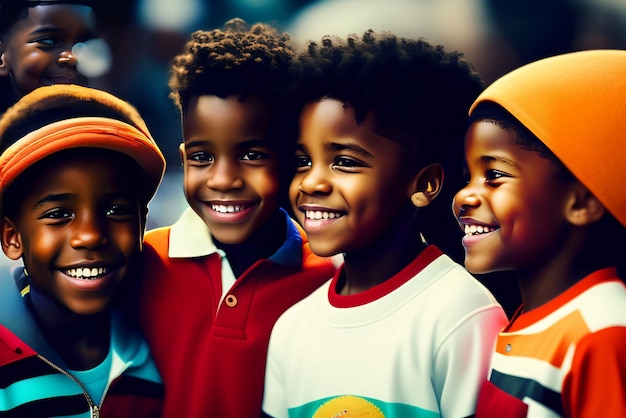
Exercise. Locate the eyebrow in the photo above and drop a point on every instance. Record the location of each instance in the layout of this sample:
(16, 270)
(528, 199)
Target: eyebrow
(51, 198)
(60, 197)
(334, 146)
(504, 160)
(46, 29)
(251, 143)
(54, 30)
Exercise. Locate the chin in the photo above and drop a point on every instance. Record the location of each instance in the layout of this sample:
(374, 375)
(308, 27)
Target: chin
(230, 237)
(323, 250)
(477, 266)
(88, 308)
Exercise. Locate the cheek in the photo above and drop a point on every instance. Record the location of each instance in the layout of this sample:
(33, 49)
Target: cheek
(128, 240)
(266, 182)
(42, 243)
(294, 190)
(387, 195)
(527, 219)
(194, 179)
(30, 67)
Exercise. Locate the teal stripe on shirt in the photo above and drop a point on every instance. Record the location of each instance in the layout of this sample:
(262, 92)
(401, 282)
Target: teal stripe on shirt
(41, 387)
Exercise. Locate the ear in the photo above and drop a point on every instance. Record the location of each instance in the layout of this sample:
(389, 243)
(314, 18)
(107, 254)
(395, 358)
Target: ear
(182, 153)
(427, 185)
(4, 67)
(11, 240)
(582, 207)
(143, 219)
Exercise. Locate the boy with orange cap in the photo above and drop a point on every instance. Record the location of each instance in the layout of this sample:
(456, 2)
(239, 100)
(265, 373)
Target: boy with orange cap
(78, 169)
(545, 150)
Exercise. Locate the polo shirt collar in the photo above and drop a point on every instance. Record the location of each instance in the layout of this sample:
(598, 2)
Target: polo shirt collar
(190, 237)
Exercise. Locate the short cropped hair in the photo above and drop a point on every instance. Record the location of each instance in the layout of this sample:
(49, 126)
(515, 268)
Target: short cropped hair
(12, 11)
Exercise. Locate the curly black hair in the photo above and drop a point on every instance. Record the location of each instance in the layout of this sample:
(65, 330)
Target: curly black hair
(242, 60)
(419, 95)
(238, 59)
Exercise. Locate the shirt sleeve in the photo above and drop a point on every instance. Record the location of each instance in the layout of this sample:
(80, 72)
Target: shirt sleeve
(596, 383)
(462, 362)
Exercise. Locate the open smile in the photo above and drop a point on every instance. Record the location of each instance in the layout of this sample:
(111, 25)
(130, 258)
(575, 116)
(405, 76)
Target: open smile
(87, 273)
(230, 212)
(229, 208)
(478, 229)
(317, 215)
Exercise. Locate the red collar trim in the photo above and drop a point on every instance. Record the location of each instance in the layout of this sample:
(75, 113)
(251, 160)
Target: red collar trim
(427, 256)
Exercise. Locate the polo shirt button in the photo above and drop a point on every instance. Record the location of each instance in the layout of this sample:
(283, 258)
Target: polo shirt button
(231, 301)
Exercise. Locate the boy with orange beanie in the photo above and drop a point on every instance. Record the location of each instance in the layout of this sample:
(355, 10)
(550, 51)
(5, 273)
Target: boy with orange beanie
(545, 151)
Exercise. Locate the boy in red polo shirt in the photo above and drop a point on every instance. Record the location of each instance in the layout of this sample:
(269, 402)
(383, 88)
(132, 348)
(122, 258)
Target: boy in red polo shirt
(218, 278)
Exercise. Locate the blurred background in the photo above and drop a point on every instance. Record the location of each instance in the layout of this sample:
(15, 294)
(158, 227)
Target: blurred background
(495, 35)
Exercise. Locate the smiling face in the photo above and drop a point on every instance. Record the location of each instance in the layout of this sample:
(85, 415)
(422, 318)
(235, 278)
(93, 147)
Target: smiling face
(231, 167)
(350, 183)
(78, 231)
(513, 208)
(38, 50)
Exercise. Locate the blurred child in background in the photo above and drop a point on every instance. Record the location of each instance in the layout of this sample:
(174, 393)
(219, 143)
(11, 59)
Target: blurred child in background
(37, 38)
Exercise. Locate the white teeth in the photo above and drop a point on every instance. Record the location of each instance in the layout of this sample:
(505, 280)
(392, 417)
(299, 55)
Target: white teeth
(318, 214)
(87, 273)
(478, 229)
(227, 208)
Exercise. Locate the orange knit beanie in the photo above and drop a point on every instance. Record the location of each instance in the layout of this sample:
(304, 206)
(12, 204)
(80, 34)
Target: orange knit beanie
(575, 104)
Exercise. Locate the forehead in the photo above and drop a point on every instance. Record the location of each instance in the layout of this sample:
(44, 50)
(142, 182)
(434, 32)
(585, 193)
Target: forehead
(63, 16)
(104, 166)
(333, 116)
(486, 141)
(211, 117)
(489, 134)
(331, 120)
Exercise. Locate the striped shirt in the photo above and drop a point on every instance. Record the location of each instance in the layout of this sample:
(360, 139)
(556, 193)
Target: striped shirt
(35, 381)
(566, 358)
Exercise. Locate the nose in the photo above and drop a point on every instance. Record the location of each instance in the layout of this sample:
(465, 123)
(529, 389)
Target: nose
(67, 58)
(88, 231)
(464, 199)
(314, 181)
(224, 176)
